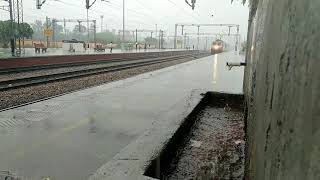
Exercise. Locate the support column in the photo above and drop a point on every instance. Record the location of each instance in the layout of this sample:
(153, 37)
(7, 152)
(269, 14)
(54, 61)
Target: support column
(95, 33)
(175, 36)
(47, 26)
(206, 48)
(136, 35)
(12, 39)
(160, 39)
(198, 39)
(53, 33)
(64, 28)
(184, 40)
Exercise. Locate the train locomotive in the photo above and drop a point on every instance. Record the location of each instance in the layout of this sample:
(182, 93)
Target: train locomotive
(217, 47)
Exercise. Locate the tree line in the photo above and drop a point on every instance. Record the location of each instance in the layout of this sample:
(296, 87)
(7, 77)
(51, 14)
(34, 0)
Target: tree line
(35, 31)
(24, 31)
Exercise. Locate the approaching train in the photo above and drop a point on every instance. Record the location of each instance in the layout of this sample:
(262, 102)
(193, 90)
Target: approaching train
(217, 46)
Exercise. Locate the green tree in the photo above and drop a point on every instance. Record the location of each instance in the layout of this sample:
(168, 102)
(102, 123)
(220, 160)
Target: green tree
(25, 30)
(5, 30)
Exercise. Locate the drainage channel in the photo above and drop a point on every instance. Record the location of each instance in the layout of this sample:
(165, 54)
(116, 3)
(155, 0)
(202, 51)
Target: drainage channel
(209, 144)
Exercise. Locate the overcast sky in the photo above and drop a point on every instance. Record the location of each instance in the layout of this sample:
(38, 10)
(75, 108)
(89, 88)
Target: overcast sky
(142, 14)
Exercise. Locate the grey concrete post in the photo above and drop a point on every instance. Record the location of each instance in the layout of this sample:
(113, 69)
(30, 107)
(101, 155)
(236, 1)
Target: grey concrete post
(175, 36)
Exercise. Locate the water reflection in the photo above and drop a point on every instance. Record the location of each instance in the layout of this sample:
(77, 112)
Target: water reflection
(92, 125)
(215, 69)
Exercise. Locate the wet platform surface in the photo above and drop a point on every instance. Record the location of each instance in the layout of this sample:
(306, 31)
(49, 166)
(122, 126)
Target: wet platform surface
(71, 136)
(29, 52)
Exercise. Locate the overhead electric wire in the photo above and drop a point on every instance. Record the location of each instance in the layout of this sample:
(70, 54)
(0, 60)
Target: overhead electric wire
(195, 18)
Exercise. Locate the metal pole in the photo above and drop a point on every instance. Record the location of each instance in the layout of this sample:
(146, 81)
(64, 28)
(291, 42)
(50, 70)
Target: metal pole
(12, 41)
(53, 33)
(88, 38)
(18, 29)
(156, 30)
(101, 22)
(184, 40)
(123, 25)
(198, 37)
(206, 43)
(64, 27)
(22, 21)
(237, 38)
(94, 32)
(182, 29)
(175, 36)
(136, 35)
(188, 41)
(159, 40)
(47, 26)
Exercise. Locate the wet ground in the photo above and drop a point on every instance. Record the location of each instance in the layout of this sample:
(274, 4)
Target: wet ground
(71, 136)
(214, 149)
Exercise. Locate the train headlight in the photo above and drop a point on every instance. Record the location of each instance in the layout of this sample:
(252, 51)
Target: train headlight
(215, 47)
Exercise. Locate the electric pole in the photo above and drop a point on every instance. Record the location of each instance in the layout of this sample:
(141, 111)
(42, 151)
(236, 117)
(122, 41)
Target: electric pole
(20, 19)
(123, 26)
(53, 33)
(101, 22)
(88, 36)
(175, 36)
(94, 33)
(136, 35)
(198, 38)
(159, 40)
(47, 27)
(12, 40)
(185, 40)
(156, 30)
(88, 6)
(206, 44)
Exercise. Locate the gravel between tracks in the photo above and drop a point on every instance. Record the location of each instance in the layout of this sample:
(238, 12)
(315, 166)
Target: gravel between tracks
(24, 95)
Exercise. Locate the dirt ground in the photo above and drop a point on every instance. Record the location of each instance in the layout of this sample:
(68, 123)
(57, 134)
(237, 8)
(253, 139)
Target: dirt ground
(214, 149)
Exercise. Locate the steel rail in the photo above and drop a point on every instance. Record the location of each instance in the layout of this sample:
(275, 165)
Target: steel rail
(30, 81)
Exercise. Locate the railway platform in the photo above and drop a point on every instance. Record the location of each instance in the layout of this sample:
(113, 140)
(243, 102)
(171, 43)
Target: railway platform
(81, 134)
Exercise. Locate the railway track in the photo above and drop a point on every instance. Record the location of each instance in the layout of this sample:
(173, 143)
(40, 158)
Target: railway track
(41, 79)
(18, 65)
